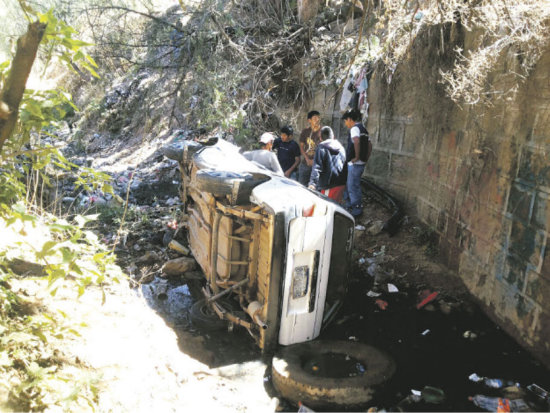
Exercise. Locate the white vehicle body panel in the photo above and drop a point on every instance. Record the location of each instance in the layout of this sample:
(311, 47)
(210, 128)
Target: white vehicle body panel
(308, 247)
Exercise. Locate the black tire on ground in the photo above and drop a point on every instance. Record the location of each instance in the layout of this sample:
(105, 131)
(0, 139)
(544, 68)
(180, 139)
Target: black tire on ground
(292, 380)
(221, 183)
(205, 318)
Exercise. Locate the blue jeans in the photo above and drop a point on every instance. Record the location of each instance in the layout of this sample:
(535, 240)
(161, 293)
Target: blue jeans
(353, 195)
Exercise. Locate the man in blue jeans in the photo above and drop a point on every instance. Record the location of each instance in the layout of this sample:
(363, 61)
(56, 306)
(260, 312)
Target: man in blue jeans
(356, 156)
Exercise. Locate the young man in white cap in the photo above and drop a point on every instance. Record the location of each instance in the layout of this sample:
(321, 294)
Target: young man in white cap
(264, 156)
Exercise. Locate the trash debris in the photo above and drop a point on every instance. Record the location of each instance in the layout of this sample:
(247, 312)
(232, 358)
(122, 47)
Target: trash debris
(161, 291)
(381, 304)
(492, 383)
(376, 228)
(426, 296)
(469, 334)
(426, 332)
(433, 395)
(392, 288)
(539, 392)
(416, 392)
(498, 404)
(344, 319)
(373, 294)
(513, 392)
(176, 246)
(373, 269)
(361, 260)
(359, 228)
(445, 307)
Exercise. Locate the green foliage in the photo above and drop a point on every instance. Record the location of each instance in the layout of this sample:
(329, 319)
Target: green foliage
(30, 370)
(60, 43)
(66, 250)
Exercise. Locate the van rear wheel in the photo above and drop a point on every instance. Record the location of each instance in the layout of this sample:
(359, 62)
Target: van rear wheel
(330, 374)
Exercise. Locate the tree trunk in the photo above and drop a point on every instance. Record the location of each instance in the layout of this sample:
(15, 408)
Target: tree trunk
(307, 10)
(11, 95)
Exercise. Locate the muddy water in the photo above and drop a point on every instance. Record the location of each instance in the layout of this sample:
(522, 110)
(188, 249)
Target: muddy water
(439, 346)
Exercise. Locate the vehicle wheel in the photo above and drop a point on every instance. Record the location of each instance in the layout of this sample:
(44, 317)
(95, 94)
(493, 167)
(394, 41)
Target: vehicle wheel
(330, 374)
(221, 183)
(204, 317)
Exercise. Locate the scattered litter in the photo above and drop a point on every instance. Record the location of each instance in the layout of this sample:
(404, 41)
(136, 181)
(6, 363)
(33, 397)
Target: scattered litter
(539, 392)
(161, 291)
(469, 334)
(381, 304)
(429, 307)
(373, 294)
(352, 338)
(513, 392)
(445, 307)
(392, 288)
(498, 404)
(433, 395)
(373, 269)
(426, 296)
(426, 332)
(361, 260)
(492, 383)
(344, 319)
(176, 246)
(359, 228)
(416, 392)
(376, 228)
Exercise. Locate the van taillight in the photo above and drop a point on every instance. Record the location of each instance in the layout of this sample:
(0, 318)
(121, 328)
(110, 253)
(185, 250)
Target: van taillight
(307, 211)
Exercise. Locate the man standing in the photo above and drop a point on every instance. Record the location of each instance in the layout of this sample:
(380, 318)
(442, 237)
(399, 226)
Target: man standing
(309, 139)
(264, 156)
(357, 154)
(288, 152)
(328, 174)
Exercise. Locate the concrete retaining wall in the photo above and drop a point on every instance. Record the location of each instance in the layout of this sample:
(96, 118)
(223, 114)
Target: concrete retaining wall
(480, 176)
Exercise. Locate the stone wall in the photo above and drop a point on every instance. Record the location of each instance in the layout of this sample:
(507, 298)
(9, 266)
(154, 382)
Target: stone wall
(480, 176)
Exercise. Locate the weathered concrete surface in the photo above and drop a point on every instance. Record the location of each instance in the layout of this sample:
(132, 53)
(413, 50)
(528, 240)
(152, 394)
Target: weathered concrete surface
(478, 175)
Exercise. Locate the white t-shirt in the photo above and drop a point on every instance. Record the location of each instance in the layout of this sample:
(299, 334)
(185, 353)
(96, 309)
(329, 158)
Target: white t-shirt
(355, 133)
(265, 158)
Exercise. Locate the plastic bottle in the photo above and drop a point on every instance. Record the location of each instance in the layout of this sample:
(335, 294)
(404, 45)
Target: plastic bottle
(493, 383)
(499, 404)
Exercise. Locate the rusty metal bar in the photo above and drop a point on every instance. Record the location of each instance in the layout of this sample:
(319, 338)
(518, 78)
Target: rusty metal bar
(227, 291)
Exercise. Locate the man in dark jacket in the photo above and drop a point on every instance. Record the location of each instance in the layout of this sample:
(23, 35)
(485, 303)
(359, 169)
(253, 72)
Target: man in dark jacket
(329, 170)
